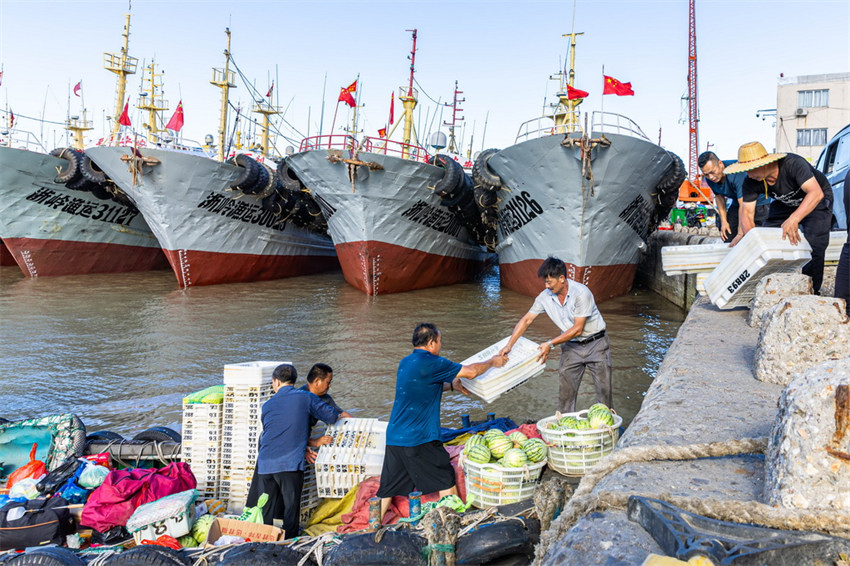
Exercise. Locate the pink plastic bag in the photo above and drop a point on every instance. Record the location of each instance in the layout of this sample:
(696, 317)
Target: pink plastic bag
(111, 504)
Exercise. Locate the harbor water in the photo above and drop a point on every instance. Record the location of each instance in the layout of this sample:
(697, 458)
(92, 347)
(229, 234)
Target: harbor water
(121, 350)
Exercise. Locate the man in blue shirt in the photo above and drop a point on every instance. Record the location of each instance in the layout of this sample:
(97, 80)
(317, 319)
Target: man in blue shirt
(286, 431)
(414, 458)
(725, 185)
(319, 380)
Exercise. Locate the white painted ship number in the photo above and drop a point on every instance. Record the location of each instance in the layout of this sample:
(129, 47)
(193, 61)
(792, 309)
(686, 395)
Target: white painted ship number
(738, 281)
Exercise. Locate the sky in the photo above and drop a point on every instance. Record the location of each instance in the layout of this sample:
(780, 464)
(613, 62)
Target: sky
(500, 53)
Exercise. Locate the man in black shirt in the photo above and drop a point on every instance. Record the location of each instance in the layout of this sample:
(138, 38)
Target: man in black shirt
(802, 199)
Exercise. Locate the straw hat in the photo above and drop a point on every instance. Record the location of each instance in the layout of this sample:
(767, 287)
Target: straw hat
(751, 156)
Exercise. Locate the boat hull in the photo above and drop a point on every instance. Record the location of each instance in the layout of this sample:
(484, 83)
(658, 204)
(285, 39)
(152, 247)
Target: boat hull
(390, 231)
(597, 226)
(210, 234)
(6, 257)
(51, 230)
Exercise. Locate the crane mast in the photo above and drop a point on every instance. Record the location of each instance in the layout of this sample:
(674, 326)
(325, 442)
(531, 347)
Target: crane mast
(693, 117)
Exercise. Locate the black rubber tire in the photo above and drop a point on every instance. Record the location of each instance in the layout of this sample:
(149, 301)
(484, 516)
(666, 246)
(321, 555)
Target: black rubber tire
(99, 191)
(489, 542)
(287, 177)
(249, 173)
(673, 175)
(2, 420)
(159, 434)
(396, 547)
(270, 184)
(481, 172)
(271, 203)
(447, 186)
(260, 184)
(150, 555)
(106, 435)
(47, 556)
(458, 200)
(262, 553)
(91, 171)
(71, 172)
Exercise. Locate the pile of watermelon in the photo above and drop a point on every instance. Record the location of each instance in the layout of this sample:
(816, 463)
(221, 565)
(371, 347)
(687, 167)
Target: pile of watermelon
(599, 416)
(514, 451)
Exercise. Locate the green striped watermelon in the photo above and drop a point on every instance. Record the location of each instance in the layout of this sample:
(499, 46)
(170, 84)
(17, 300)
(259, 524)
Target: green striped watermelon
(535, 449)
(514, 458)
(499, 445)
(474, 440)
(478, 453)
(517, 437)
(493, 433)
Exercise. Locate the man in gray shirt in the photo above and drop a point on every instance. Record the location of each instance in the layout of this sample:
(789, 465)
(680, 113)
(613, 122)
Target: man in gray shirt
(583, 340)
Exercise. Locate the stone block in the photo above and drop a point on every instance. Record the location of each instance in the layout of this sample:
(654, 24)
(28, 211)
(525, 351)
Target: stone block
(804, 467)
(798, 333)
(772, 289)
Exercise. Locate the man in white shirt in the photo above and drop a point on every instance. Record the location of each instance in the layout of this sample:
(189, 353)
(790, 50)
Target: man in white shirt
(583, 340)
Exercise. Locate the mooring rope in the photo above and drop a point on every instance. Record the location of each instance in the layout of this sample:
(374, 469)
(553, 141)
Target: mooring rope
(585, 501)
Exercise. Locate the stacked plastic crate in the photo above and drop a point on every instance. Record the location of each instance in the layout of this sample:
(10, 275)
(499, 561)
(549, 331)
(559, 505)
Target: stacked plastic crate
(246, 387)
(356, 451)
(522, 365)
(201, 447)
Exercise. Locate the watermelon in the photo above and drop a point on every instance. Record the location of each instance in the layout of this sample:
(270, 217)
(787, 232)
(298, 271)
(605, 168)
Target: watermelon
(202, 527)
(583, 424)
(478, 453)
(535, 449)
(568, 423)
(514, 458)
(600, 419)
(475, 439)
(187, 541)
(493, 433)
(517, 437)
(553, 426)
(598, 407)
(499, 445)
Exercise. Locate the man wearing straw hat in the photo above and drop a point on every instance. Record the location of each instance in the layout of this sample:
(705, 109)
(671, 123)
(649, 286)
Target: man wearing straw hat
(725, 186)
(802, 200)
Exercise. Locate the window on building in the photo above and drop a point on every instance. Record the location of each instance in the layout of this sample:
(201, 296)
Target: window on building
(812, 98)
(811, 137)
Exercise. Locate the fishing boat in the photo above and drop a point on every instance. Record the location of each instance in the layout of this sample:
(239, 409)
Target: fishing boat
(589, 196)
(54, 221)
(218, 221)
(400, 219)
(6, 257)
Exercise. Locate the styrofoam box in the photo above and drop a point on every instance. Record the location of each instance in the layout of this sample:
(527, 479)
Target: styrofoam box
(761, 252)
(250, 373)
(521, 366)
(170, 515)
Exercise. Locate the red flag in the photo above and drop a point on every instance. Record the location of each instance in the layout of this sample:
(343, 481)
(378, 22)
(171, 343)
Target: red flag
(11, 119)
(176, 122)
(613, 86)
(1, 77)
(574, 93)
(382, 133)
(124, 120)
(77, 88)
(392, 109)
(345, 96)
(271, 88)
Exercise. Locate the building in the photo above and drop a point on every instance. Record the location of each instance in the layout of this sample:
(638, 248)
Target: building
(810, 109)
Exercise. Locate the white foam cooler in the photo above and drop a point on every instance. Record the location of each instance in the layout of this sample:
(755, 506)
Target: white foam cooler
(494, 382)
(761, 252)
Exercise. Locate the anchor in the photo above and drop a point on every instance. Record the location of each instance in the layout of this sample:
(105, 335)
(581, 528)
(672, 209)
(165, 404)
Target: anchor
(684, 535)
(136, 162)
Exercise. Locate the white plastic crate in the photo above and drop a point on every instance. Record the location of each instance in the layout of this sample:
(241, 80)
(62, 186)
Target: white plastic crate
(761, 252)
(492, 484)
(356, 451)
(250, 373)
(494, 382)
(170, 515)
(697, 258)
(575, 452)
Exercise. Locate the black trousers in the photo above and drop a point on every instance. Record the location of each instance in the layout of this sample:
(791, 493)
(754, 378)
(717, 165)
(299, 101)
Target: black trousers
(284, 491)
(815, 228)
(842, 275)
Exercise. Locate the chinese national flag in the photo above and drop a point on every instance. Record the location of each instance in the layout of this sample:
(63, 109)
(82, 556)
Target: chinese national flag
(77, 88)
(124, 120)
(11, 119)
(613, 86)
(382, 133)
(271, 88)
(392, 109)
(574, 93)
(176, 122)
(345, 94)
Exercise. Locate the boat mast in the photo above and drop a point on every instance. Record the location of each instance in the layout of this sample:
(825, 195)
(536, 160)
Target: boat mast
(77, 126)
(354, 131)
(122, 65)
(455, 109)
(408, 100)
(566, 114)
(152, 101)
(266, 109)
(223, 79)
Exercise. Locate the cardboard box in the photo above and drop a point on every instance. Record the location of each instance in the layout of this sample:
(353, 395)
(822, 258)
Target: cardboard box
(244, 529)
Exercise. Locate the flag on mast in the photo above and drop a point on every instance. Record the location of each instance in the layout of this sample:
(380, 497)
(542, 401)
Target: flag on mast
(345, 94)
(269, 93)
(77, 88)
(176, 122)
(613, 86)
(574, 93)
(124, 119)
(392, 108)
(11, 119)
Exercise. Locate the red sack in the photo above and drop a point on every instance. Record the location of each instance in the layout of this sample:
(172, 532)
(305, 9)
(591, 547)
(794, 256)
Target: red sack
(111, 504)
(32, 469)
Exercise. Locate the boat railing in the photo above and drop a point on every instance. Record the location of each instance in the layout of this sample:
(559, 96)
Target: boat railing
(395, 148)
(610, 123)
(21, 139)
(542, 126)
(338, 141)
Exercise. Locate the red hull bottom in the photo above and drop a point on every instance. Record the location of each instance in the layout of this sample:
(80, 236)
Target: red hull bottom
(51, 258)
(604, 281)
(378, 268)
(193, 267)
(6, 257)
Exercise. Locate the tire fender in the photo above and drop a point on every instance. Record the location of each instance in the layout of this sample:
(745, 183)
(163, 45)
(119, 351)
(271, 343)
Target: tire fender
(71, 171)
